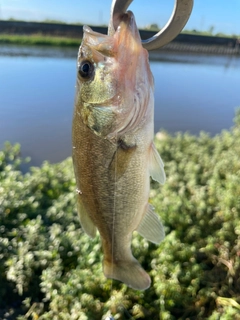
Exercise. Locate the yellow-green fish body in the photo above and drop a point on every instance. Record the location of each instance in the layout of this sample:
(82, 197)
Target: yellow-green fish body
(113, 150)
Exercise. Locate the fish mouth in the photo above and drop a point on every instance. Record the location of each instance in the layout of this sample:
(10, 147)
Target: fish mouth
(126, 38)
(129, 20)
(127, 31)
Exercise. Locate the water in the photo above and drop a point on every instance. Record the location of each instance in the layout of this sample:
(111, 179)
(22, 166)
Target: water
(37, 87)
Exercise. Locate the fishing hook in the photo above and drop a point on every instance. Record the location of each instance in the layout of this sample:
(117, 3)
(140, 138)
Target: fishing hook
(180, 15)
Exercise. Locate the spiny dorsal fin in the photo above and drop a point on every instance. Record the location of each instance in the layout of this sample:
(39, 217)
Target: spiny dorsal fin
(151, 227)
(156, 166)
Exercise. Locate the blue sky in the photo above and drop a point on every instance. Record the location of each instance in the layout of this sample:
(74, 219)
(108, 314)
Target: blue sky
(223, 15)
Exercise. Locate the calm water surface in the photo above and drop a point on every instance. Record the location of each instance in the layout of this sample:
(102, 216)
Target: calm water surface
(37, 87)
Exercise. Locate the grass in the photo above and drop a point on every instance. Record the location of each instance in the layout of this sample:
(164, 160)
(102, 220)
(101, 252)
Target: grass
(39, 39)
(209, 34)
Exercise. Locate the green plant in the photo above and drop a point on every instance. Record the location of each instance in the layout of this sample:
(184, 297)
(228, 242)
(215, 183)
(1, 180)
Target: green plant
(51, 270)
(39, 39)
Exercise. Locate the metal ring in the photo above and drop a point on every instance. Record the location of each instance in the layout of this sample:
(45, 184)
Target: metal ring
(174, 26)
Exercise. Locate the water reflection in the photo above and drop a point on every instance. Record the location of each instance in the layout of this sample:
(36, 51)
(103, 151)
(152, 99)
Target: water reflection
(37, 86)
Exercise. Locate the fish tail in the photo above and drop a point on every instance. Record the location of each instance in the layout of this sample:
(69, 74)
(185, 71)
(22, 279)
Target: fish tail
(130, 272)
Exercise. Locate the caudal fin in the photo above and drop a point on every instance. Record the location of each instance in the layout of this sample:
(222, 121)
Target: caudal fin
(130, 272)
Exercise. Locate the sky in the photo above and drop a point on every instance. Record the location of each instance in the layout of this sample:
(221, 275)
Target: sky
(222, 15)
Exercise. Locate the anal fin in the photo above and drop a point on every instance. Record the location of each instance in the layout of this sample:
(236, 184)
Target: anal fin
(85, 220)
(156, 166)
(151, 227)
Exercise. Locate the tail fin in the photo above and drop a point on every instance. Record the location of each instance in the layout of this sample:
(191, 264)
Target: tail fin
(130, 272)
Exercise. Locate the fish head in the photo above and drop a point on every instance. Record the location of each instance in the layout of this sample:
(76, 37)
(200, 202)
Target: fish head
(96, 68)
(114, 77)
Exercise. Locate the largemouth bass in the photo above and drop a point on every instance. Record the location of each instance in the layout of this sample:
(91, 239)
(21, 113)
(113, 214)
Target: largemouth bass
(113, 150)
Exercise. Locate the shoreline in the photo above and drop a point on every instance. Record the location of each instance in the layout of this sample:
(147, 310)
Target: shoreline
(37, 40)
(65, 35)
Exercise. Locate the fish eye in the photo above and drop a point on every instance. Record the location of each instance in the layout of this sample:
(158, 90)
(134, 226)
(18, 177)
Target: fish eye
(85, 69)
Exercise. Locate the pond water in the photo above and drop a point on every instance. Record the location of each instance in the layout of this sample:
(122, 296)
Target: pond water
(37, 87)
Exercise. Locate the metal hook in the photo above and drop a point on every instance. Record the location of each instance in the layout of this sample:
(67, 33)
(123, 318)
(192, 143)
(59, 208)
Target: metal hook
(174, 26)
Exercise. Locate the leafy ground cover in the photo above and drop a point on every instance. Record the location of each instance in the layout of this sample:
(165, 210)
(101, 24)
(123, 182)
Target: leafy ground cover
(51, 270)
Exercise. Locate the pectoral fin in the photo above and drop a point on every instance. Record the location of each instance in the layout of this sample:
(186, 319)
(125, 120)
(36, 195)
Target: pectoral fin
(156, 166)
(85, 220)
(151, 227)
(121, 157)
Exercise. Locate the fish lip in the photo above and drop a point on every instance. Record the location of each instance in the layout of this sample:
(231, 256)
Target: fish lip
(127, 27)
(126, 16)
(128, 19)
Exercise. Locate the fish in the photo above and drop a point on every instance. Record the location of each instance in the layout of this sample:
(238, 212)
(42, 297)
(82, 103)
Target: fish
(113, 147)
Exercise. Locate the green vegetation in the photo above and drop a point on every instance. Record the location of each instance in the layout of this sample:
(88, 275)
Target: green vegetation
(54, 21)
(51, 270)
(209, 33)
(39, 39)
